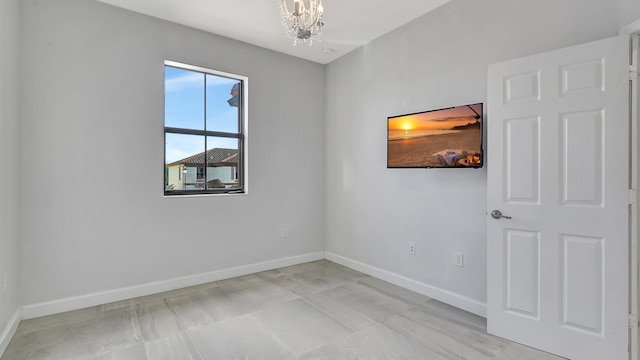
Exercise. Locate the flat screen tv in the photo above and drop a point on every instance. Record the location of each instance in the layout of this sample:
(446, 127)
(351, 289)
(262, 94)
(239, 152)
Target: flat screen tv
(442, 138)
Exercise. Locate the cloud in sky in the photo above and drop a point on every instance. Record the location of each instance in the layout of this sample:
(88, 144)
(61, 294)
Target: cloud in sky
(193, 79)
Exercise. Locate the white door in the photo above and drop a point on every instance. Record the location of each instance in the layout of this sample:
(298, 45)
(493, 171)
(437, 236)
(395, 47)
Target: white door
(558, 165)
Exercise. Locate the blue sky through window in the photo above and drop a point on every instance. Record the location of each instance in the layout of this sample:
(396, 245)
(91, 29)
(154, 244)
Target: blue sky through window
(185, 108)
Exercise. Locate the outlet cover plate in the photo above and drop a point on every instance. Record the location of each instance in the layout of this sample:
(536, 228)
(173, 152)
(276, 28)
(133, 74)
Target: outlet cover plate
(412, 248)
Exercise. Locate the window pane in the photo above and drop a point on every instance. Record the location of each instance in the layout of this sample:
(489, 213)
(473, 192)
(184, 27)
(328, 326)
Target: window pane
(183, 98)
(184, 154)
(223, 103)
(223, 165)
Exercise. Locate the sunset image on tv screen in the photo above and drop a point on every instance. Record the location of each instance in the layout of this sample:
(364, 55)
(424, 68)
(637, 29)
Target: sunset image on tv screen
(449, 137)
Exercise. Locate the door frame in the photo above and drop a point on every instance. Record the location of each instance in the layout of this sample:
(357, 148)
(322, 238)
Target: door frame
(633, 31)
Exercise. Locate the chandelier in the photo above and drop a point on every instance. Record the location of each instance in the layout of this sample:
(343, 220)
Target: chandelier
(303, 24)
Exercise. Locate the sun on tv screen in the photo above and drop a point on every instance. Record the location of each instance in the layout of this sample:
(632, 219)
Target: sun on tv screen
(442, 138)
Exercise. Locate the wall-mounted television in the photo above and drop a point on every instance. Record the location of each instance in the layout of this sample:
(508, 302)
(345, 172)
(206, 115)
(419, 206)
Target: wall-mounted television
(441, 138)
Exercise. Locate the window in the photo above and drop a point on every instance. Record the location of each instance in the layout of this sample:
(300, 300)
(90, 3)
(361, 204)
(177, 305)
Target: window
(204, 130)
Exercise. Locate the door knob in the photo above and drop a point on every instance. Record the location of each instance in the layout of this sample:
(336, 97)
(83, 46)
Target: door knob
(496, 214)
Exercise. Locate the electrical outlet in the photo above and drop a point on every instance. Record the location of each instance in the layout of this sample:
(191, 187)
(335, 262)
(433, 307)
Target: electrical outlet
(412, 248)
(285, 233)
(459, 260)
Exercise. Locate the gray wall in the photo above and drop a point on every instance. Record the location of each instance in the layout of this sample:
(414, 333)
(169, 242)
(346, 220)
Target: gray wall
(9, 40)
(93, 217)
(439, 60)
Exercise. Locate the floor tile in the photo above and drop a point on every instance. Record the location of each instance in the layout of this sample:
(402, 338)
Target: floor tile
(368, 301)
(299, 326)
(367, 344)
(339, 312)
(189, 311)
(156, 320)
(460, 317)
(132, 353)
(177, 347)
(66, 341)
(395, 291)
(521, 352)
(441, 329)
(449, 345)
(113, 330)
(243, 337)
(253, 293)
(171, 348)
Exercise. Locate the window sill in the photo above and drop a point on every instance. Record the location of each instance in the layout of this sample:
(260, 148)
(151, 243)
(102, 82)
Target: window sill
(182, 196)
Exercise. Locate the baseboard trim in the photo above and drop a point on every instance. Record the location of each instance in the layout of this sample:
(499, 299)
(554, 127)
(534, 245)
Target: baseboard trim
(94, 299)
(446, 296)
(8, 331)
(105, 297)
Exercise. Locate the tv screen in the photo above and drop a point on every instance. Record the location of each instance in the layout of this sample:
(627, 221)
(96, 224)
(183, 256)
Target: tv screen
(442, 138)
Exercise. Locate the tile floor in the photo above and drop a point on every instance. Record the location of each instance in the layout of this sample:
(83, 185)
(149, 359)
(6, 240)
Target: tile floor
(318, 310)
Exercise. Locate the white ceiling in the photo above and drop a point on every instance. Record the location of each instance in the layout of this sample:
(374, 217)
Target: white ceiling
(348, 23)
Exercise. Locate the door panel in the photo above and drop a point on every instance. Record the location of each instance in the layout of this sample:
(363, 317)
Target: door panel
(582, 290)
(523, 272)
(558, 149)
(581, 141)
(522, 170)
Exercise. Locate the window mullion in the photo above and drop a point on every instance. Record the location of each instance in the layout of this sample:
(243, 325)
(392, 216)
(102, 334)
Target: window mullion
(173, 130)
(206, 146)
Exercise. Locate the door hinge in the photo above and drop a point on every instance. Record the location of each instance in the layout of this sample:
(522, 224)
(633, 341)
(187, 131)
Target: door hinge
(633, 72)
(633, 321)
(633, 196)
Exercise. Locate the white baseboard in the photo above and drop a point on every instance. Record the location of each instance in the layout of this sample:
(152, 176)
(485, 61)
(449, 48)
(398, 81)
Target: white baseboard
(446, 296)
(105, 297)
(84, 301)
(8, 331)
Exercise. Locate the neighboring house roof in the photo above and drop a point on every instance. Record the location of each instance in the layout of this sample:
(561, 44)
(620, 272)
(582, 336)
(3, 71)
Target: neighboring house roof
(215, 157)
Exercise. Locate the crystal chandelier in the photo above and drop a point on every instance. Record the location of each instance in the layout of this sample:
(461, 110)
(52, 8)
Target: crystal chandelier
(303, 24)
